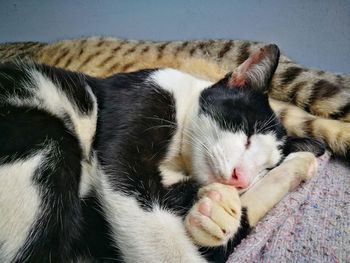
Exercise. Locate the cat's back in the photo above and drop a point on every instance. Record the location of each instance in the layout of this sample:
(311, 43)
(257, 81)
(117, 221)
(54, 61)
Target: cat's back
(137, 117)
(141, 115)
(143, 104)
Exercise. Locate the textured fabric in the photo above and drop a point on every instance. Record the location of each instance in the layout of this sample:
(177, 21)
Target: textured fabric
(311, 224)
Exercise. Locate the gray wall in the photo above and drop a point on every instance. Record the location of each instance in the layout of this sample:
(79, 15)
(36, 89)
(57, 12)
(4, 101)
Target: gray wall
(313, 32)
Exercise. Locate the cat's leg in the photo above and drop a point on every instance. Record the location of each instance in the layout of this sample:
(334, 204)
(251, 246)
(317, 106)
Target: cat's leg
(220, 218)
(46, 132)
(335, 134)
(152, 234)
(40, 216)
(297, 167)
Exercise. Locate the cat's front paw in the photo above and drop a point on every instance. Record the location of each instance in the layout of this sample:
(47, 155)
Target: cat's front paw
(215, 217)
(303, 166)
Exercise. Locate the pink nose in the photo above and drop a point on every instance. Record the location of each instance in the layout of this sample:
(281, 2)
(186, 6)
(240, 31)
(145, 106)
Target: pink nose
(239, 179)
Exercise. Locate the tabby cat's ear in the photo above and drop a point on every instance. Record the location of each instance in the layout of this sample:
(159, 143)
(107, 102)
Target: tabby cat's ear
(257, 71)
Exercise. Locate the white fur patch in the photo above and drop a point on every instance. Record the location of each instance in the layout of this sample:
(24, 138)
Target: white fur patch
(19, 202)
(88, 178)
(155, 236)
(171, 177)
(186, 90)
(184, 87)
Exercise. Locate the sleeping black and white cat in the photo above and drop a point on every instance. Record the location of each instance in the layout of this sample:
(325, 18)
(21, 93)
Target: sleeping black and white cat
(140, 167)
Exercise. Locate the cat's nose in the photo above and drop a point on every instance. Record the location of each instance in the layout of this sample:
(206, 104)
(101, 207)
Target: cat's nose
(239, 179)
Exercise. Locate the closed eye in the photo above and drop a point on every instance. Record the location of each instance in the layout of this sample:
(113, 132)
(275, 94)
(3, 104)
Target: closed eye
(247, 144)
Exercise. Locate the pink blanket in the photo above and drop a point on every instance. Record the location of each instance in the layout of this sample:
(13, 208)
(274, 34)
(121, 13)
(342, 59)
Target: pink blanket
(311, 224)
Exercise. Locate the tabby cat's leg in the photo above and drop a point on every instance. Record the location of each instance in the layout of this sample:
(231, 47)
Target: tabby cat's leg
(220, 218)
(335, 134)
(258, 200)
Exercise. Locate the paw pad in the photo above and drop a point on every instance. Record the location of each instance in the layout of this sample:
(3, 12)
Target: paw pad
(204, 208)
(214, 195)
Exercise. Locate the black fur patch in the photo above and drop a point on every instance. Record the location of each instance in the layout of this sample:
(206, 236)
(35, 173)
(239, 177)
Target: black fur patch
(296, 144)
(343, 111)
(321, 90)
(12, 79)
(240, 109)
(243, 53)
(226, 48)
(290, 75)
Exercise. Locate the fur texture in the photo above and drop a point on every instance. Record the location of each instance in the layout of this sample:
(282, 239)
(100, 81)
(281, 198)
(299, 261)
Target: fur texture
(91, 156)
(322, 94)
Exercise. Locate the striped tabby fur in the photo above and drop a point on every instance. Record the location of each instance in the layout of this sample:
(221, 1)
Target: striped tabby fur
(320, 93)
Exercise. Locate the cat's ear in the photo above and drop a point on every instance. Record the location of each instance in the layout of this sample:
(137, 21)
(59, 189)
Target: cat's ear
(257, 71)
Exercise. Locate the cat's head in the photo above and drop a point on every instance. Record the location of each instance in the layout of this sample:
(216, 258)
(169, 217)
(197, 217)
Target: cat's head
(237, 135)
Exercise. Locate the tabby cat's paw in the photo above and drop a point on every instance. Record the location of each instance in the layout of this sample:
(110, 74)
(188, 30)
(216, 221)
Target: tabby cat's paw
(215, 217)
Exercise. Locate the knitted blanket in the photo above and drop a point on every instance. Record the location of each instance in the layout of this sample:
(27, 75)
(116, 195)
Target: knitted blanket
(311, 224)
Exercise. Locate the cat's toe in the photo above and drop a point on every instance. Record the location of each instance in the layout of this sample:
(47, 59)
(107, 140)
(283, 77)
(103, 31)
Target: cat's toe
(215, 218)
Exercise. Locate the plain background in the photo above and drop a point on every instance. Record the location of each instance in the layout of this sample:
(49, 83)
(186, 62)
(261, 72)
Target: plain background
(315, 33)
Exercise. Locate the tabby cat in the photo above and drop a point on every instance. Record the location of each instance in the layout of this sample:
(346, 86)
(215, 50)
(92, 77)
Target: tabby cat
(318, 92)
(142, 166)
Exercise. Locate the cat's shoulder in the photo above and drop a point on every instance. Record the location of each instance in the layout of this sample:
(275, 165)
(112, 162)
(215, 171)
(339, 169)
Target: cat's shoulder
(166, 78)
(174, 80)
(180, 85)
(186, 89)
